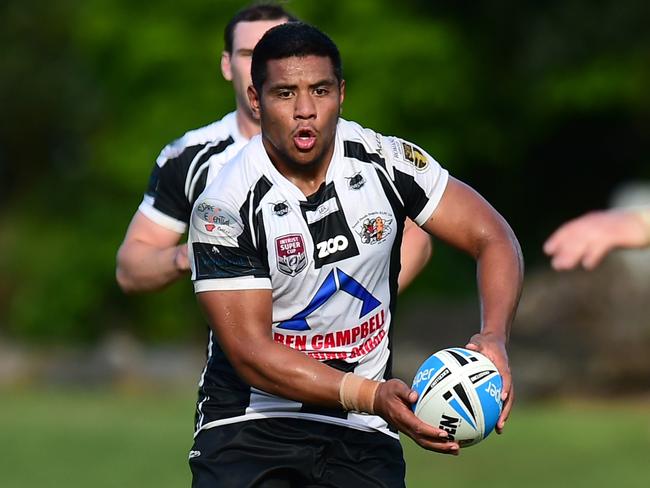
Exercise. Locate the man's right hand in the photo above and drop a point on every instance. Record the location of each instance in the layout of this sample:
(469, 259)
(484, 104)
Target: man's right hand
(180, 258)
(393, 401)
(150, 257)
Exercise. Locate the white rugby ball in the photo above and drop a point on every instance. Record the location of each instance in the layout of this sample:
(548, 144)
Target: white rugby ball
(459, 391)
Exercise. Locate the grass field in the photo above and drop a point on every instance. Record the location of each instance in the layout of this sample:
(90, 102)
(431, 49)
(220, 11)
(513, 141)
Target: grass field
(102, 439)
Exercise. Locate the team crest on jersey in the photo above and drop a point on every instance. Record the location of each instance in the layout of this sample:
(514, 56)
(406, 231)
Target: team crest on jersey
(374, 227)
(356, 181)
(291, 254)
(281, 208)
(415, 156)
(215, 220)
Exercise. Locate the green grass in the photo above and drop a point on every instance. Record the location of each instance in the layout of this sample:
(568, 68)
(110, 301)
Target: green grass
(101, 439)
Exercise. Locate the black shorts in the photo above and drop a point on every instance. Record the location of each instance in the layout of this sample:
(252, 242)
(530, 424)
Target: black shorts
(295, 453)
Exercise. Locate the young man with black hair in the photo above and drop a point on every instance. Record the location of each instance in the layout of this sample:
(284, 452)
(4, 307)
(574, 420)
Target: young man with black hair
(151, 255)
(295, 254)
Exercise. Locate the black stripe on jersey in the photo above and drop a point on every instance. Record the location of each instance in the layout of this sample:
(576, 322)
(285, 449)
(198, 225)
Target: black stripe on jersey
(199, 186)
(254, 238)
(167, 184)
(356, 150)
(395, 259)
(222, 394)
(215, 261)
(153, 181)
(353, 149)
(198, 167)
(332, 237)
(414, 197)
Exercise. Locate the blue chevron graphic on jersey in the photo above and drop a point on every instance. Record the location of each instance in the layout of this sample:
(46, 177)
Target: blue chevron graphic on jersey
(335, 281)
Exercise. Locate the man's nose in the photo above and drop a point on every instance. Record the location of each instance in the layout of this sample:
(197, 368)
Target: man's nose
(305, 107)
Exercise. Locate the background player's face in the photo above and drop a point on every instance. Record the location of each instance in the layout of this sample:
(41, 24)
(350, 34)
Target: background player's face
(299, 108)
(236, 67)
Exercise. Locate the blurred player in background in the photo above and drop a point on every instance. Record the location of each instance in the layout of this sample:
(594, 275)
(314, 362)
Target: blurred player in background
(586, 240)
(295, 250)
(150, 256)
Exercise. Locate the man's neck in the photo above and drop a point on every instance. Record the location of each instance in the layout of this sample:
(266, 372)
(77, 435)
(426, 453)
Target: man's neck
(248, 127)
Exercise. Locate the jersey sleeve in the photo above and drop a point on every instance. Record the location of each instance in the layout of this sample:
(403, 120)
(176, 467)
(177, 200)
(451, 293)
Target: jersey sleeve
(223, 254)
(165, 201)
(419, 179)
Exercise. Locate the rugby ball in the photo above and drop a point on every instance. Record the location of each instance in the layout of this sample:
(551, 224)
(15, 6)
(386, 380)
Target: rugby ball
(459, 391)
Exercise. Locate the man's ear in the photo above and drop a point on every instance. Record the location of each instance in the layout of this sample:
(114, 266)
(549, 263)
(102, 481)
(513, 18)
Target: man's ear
(254, 101)
(226, 69)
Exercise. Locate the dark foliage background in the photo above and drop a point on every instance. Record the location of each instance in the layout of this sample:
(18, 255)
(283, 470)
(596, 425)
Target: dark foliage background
(541, 106)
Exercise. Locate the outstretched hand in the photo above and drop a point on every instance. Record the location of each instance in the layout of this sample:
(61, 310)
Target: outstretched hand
(494, 349)
(586, 240)
(393, 401)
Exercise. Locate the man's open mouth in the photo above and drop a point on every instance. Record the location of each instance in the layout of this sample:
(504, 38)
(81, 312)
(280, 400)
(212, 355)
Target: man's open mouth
(304, 139)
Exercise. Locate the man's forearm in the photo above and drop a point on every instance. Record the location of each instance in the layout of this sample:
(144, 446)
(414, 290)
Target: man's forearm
(142, 267)
(500, 277)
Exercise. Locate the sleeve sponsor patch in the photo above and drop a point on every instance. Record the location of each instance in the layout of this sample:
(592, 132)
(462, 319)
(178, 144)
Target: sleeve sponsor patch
(410, 154)
(211, 219)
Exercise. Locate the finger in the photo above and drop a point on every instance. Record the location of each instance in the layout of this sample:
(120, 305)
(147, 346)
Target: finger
(412, 396)
(451, 448)
(565, 260)
(594, 255)
(505, 412)
(506, 386)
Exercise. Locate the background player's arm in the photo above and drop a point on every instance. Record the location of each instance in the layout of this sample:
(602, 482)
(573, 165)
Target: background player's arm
(415, 253)
(586, 240)
(150, 256)
(241, 321)
(466, 221)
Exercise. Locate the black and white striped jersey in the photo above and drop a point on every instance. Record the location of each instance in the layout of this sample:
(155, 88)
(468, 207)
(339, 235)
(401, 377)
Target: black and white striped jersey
(183, 169)
(331, 260)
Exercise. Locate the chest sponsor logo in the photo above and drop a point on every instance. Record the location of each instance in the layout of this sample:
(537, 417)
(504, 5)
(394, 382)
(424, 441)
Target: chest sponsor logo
(335, 282)
(356, 181)
(214, 220)
(322, 211)
(374, 228)
(280, 208)
(291, 255)
(332, 246)
(351, 342)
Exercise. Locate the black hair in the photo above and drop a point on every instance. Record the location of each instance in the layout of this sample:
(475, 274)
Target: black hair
(288, 40)
(253, 13)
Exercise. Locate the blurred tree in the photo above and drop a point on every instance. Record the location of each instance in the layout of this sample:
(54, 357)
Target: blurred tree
(540, 106)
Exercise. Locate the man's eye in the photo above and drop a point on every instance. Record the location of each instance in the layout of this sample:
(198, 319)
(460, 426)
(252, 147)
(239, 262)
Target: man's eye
(284, 94)
(321, 91)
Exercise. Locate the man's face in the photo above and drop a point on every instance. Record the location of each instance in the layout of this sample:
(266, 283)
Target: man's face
(236, 67)
(299, 108)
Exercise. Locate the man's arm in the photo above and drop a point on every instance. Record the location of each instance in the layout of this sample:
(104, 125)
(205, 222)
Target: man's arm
(150, 256)
(588, 239)
(415, 253)
(241, 321)
(466, 221)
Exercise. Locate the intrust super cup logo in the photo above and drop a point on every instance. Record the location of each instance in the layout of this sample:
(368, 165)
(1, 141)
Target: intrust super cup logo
(291, 255)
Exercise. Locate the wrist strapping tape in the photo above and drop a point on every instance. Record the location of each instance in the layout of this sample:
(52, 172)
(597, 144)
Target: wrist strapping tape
(357, 393)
